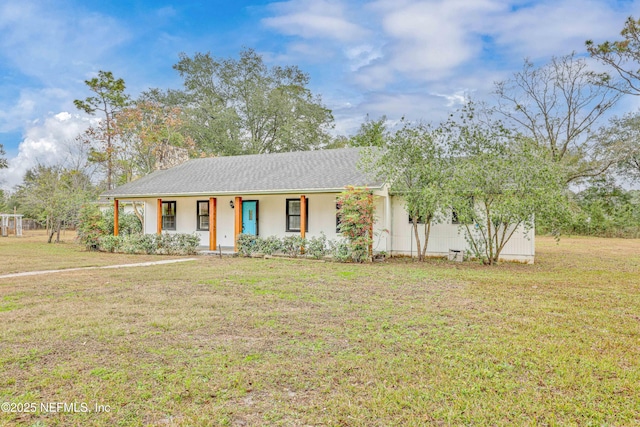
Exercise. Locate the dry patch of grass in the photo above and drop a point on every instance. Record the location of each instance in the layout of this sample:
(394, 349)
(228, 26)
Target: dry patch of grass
(295, 342)
(32, 253)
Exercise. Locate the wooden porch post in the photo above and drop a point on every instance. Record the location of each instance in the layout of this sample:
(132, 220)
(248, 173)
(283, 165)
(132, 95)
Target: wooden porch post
(116, 208)
(213, 231)
(159, 217)
(303, 216)
(238, 222)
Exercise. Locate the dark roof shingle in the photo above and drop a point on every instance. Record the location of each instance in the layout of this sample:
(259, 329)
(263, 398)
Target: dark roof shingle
(260, 173)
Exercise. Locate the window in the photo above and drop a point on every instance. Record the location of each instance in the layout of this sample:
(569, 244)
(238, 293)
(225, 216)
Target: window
(168, 215)
(454, 217)
(203, 215)
(338, 217)
(455, 214)
(420, 219)
(293, 215)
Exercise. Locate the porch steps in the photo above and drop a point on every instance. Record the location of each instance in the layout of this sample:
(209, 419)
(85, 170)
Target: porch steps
(222, 251)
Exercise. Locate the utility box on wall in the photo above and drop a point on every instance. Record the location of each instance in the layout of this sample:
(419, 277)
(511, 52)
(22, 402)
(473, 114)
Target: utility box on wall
(455, 255)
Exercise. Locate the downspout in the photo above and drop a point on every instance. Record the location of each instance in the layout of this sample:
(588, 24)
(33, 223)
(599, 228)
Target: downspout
(411, 245)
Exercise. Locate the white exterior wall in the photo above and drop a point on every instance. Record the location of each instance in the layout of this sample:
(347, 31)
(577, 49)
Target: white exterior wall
(392, 231)
(446, 236)
(271, 216)
(125, 206)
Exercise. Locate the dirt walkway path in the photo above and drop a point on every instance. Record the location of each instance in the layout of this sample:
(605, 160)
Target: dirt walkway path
(140, 264)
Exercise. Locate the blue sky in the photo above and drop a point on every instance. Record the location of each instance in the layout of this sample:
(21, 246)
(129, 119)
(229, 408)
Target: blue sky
(413, 58)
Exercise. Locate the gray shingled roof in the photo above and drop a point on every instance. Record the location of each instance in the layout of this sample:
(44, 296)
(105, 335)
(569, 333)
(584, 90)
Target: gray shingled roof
(329, 170)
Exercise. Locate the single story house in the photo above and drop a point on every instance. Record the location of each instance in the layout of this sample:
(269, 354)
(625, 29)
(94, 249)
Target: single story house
(280, 194)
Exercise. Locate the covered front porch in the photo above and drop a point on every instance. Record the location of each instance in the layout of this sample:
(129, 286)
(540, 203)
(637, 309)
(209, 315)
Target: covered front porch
(220, 219)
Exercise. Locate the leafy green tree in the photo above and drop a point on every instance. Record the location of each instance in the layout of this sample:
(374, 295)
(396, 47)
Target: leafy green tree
(128, 223)
(557, 106)
(623, 56)
(150, 135)
(54, 196)
(242, 106)
(3, 160)
(499, 182)
(95, 224)
(91, 226)
(3, 202)
(372, 133)
(338, 141)
(621, 138)
(605, 209)
(109, 99)
(3, 164)
(412, 162)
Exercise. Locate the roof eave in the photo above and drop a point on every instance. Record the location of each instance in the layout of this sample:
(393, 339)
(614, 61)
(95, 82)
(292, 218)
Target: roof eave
(234, 193)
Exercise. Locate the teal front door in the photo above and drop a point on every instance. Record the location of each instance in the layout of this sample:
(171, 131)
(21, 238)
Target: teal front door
(250, 217)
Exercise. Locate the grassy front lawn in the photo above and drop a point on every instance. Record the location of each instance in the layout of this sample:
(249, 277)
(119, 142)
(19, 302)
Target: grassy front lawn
(296, 342)
(31, 253)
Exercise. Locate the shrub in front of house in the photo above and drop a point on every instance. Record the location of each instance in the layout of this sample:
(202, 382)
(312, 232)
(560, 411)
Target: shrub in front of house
(163, 244)
(294, 246)
(340, 250)
(247, 244)
(186, 244)
(109, 243)
(91, 226)
(128, 223)
(146, 243)
(269, 245)
(95, 225)
(317, 246)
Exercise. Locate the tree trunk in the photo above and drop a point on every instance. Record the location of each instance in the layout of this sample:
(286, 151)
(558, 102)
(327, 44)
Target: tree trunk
(138, 214)
(414, 221)
(489, 239)
(58, 227)
(427, 232)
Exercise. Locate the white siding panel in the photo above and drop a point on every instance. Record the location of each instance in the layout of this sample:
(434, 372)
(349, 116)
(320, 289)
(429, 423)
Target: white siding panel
(446, 236)
(150, 215)
(322, 218)
(271, 216)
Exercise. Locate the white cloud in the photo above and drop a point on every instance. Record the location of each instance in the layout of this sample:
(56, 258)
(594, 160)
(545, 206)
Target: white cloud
(413, 105)
(315, 53)
(437, 40)
(375, 76)
(435, 35)
(553, 27)
(456, 99)
(48, 143)
(314, 19)
(362, 55)
(426, 40)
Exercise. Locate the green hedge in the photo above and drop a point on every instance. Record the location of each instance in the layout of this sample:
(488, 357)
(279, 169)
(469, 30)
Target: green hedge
(294, 246)
(158, 244)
